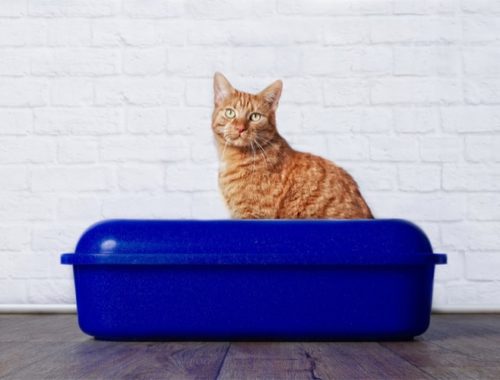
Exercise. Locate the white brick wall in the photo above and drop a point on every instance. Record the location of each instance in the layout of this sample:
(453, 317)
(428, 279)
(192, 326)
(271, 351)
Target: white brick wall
(105, 112)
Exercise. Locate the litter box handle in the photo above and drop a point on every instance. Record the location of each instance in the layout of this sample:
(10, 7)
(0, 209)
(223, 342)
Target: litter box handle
(440, 258)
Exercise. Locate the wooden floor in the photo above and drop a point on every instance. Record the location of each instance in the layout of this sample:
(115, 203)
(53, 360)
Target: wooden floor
(52, 347)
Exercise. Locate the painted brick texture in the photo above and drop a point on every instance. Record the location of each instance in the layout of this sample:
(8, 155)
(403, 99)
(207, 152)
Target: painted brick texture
(105, 112)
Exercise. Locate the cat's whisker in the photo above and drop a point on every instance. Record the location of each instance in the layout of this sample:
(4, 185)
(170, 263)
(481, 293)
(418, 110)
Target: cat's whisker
(224, 151)
(253, 157)
(262, 149)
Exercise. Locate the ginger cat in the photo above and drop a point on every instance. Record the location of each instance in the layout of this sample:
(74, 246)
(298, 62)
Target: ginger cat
(261, 176)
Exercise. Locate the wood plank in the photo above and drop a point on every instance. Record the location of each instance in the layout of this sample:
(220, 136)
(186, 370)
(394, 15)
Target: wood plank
(348, 360)
(137, 360)
(266, 360)
(40, 328)
(467, 347)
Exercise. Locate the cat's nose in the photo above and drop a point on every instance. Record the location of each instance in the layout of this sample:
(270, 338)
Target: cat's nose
(240, 128)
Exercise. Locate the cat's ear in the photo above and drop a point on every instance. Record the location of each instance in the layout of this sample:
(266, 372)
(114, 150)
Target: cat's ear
(272, 94)
(222, 88)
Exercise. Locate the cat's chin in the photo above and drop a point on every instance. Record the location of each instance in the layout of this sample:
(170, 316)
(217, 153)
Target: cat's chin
(238, 142)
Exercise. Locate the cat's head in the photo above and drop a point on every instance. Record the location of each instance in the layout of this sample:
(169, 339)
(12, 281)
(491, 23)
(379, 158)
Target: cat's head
(241, 119)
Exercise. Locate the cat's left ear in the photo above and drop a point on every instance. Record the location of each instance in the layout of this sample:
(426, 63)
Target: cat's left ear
(272, 94)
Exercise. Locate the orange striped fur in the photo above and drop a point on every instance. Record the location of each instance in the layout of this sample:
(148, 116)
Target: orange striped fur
(261, 176)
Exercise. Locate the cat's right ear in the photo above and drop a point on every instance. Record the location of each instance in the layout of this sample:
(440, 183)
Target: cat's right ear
(222, 89)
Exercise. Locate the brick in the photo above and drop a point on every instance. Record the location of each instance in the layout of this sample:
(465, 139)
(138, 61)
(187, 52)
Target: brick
(21, 92)
(348, 147)
(301, 91)
(478, 295)
(27, 149)
(482, 90)
(426, 60)
(345, 92)
(13, 178)
(419, 178)
(454, 268)
(15, 62)
(388, 148)
(11, 8)
(329, 120)
(145, 120)
(51, 291)
(69, 32)
(346, 31)
(289, 119)
(482, 265)
(154, 9)
(81, 208)
(281, 32)
(144, 91)
(13, 291)
(143, 148)
(148, 61)
(480, 6)
(196, 61)
(138, 32)
(422, 7)
(209, 33)
(471, 235)
(16, 122)
(415, 91)
(188, 177)
(470, 119)
(140, 177)
(76, 61)
(209, 205)
(375, 60)
(441, 149)
(77, 121)
(331, 61)
(199, 92)
(203, 150)
(310, 143)
(54, 238)
(432, 207)
(14, 238)
(76, 8)
(481, 28)
(188, 120)
(224, 9)
(482, 148)
(77, 150)
(165, 206)
(481, 61)
(22, 32)
(27, 208)
(416, 119)
(62, 178)
(316, 8)
(370, 177)
(71, 92)
(414, 29)
(483, 206)
(471, 177)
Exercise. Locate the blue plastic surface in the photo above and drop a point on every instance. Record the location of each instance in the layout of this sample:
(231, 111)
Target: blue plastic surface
(254, 279)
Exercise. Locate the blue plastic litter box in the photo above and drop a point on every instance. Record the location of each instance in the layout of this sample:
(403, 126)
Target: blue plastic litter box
(254, 279)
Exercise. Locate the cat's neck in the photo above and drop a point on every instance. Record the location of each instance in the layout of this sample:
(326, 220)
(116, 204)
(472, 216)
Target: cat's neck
(273, 152)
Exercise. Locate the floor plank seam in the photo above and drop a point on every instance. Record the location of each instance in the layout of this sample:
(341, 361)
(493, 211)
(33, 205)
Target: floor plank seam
(219, 370)
(312, 366)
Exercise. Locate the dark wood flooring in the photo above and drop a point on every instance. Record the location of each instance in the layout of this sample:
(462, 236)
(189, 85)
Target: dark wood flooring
(52, 347)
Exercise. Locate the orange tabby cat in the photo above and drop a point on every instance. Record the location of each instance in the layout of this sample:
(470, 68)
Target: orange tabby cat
(261, 176)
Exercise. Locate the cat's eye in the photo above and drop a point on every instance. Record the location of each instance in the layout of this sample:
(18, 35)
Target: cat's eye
(230, 113)
(255, 116)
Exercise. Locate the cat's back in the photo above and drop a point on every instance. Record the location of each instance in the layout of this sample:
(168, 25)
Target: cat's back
(321, 189)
